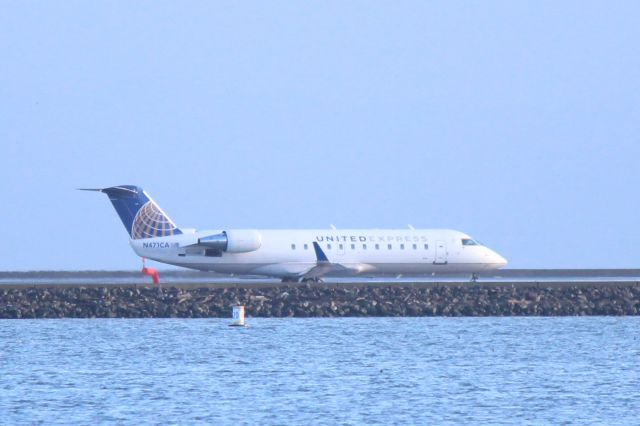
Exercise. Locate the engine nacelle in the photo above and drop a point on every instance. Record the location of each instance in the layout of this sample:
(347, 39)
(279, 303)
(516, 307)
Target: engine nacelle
(235, 241)
(243, 240)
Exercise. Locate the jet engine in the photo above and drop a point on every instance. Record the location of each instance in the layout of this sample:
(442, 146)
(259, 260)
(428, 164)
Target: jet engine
(236, 241)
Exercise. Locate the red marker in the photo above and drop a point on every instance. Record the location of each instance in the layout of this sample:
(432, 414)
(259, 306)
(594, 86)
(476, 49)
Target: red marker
(152, 272)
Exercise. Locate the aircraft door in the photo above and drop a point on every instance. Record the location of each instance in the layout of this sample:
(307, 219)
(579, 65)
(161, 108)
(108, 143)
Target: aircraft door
(441, 253)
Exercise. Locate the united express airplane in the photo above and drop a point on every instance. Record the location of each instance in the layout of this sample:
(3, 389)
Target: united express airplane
(296, 255)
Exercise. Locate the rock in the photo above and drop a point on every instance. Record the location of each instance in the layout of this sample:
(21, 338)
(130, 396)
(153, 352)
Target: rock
(304, 301)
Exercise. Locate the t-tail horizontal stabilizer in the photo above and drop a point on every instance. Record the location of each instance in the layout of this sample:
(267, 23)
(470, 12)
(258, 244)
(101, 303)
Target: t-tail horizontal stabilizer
(139, 214)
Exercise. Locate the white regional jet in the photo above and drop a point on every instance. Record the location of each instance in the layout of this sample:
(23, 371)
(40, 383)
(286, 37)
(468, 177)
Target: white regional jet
(294, 255)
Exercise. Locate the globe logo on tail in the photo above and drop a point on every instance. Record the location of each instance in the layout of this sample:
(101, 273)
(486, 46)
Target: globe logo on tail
(151, 222)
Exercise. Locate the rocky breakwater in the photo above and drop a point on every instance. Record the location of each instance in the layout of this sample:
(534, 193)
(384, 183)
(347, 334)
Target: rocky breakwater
(317, 301)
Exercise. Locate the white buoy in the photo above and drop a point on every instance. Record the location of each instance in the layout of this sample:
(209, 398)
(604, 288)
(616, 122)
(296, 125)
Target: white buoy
(238, 317)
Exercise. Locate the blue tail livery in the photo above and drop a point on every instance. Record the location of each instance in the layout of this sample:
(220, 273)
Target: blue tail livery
(141, 216)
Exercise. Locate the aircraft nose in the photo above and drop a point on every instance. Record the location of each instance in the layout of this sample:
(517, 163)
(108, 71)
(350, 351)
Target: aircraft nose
(495, 260)
(498, 260)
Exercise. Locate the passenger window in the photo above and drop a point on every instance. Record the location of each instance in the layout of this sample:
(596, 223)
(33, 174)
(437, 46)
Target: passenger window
(306, 246)
(353, 246)
(364, 247)
(426, 246)
(340, 246)
(401, 246)
(328, 246)
(415, 246)
(389, 246)
(377, 246)
(293, 246)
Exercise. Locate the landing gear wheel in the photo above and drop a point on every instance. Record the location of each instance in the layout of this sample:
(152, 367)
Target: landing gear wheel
(290, 280)
(314, 280)
(474, 277)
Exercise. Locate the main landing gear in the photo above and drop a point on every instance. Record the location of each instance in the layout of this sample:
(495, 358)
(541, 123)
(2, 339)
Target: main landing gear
(474, 277)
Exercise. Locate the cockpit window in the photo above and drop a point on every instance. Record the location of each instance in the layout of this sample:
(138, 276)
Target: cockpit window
(469, 242)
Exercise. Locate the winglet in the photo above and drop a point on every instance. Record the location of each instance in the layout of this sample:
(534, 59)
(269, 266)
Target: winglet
(319, 253)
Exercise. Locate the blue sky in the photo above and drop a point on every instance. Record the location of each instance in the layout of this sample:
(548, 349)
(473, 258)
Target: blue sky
(516, 122)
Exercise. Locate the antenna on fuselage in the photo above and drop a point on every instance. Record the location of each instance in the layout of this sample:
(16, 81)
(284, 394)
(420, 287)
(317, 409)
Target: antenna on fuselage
(411, 227)
(333, 227)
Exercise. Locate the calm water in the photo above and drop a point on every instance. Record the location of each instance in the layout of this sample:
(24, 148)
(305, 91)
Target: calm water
(322, 371)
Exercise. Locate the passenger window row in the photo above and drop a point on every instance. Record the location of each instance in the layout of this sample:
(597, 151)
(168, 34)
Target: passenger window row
(364, 246)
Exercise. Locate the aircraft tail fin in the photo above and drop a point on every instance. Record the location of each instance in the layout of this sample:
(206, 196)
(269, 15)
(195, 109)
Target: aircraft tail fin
(141, 216)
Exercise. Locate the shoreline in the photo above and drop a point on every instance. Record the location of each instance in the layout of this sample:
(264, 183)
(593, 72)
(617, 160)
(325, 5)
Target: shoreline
(478, 299)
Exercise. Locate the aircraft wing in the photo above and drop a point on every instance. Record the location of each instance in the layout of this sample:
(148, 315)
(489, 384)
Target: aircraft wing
(324, 266)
